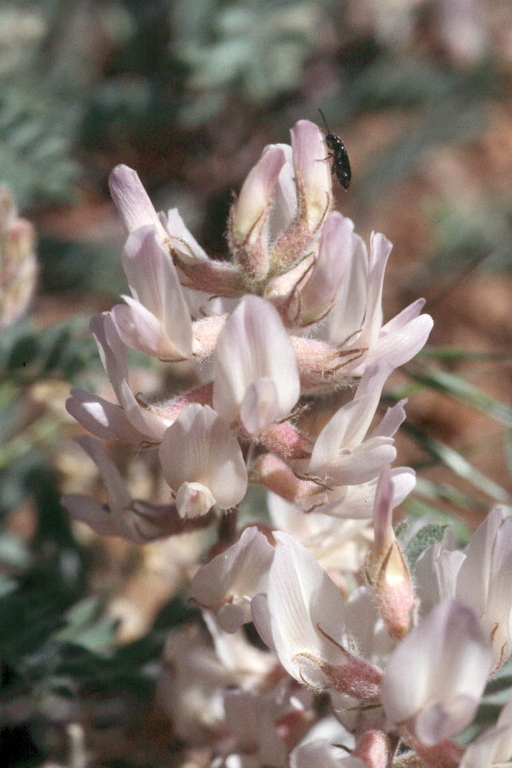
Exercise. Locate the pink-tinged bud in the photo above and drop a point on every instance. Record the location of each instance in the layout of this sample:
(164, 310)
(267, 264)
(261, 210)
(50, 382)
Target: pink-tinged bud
(18, 265)
(384, 535)
(314, 196)
(132, 201)
(374, 749)
(312, 173)
(395, 593)
(387, 568)
(249, 216)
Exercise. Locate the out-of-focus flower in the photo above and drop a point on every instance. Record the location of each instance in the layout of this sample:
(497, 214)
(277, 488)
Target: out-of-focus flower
(494, 746)
(480, 578)
(483, 580)
(18, 265)
(266, 725)
(434, 679)
(137, 521)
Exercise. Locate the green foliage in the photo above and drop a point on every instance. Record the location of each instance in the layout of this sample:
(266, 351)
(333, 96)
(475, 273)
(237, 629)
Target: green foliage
(36, 140)
(57, 645)
(424, 538)
(256, 46)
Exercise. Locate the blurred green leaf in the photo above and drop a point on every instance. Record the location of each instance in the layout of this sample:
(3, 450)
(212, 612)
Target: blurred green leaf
(457, 463)
(462, 391)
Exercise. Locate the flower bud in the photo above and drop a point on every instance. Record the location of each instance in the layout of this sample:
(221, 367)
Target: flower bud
(387, 568)
(249, 216)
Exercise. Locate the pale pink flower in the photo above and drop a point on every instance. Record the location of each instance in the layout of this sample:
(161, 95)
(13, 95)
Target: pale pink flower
(436, 574)
(341, 454)
(266, 724)
(127, 420)
(256, 380)
(132, 201)
(357, 501)
(155, 319)
(306, 618)
(202, 462)
(227, 583)
(302, 199)
(336, 544)
(191, 687)
(356, 322)
(248, 664)
(312, 173)
(301, 599)
(435, 678)
(315, 294)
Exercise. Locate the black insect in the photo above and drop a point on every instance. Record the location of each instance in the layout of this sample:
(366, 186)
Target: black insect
(340, 162)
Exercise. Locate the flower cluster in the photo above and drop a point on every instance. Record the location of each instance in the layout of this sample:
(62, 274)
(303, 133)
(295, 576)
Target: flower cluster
(296, 312)
(18, 265)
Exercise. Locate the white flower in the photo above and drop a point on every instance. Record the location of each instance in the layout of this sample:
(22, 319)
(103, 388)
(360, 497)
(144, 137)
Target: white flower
(306, 619)
(479, 577)
(356, 322)
(484, 580)
(202, 461)
(228, 582)
(255, 372)
(155, 319)
(341, 455)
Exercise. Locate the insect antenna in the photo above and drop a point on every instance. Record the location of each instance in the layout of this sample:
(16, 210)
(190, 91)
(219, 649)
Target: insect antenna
(325, 121)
